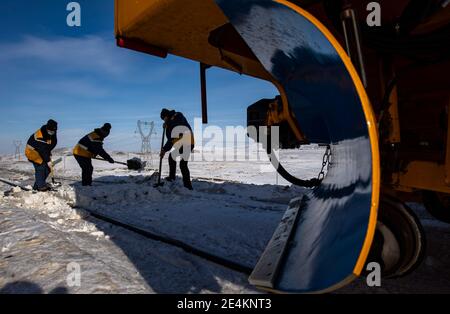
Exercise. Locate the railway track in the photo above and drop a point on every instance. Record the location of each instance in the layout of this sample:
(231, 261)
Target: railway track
(75, 179)
(154, 235)
(224, 262)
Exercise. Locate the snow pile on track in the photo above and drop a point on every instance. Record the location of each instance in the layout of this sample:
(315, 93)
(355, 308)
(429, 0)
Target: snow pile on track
(121, 194)
(216, 216)
(57, 206)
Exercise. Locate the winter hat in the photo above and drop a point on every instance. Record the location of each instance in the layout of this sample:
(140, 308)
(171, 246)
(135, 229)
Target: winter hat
(104, 130)
(164, 113)
(106, 127)
(52, 125)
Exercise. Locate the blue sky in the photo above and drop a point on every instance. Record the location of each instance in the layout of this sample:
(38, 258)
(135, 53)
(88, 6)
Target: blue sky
(77, 76)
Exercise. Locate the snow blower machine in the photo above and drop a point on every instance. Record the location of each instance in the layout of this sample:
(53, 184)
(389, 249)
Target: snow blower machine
(367, 81)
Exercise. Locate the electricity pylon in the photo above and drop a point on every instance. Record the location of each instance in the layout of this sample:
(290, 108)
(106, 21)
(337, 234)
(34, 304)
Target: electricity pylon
(146, 129)
(17, 153)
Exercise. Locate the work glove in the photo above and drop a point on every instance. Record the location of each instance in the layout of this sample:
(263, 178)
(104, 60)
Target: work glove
(162, 153)
(111, 161)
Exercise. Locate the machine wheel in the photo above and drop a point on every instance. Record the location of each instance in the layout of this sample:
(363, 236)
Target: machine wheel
(437, 204)
(399, 245)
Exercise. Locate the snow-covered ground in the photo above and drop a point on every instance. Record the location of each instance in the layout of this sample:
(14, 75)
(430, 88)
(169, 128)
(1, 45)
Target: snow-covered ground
(232, 212)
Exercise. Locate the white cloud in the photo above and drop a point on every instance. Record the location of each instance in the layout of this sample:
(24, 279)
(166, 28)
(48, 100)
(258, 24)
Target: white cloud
(86, 53)
(86, 66)
(70, 87)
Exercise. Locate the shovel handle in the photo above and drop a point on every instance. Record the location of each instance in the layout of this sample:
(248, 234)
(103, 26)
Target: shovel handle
(116, 162)
(161, 159)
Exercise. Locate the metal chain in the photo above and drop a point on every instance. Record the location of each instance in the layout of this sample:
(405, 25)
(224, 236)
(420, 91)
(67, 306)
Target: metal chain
(325, 163)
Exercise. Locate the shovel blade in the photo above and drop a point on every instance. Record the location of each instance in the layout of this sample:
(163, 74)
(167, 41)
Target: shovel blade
(135, 164)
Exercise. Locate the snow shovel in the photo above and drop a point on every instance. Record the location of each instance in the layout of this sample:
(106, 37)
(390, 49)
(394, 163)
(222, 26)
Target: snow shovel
(52, 172)
(160, 164)
(132, 164)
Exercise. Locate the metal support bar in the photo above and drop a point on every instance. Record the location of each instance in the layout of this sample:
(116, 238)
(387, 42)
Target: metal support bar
(349, 13)
(394, 134)
(203, 68)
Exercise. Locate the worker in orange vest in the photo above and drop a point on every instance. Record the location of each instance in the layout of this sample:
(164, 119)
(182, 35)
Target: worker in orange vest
(89, 147)
(39, 151)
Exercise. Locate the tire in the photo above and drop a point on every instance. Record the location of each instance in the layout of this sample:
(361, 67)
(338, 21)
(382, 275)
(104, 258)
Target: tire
(437, 204)
(399, 244)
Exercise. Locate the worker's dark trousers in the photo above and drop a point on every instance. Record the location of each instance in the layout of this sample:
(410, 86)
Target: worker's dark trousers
(41, 173)
(183, 167)
(86, 170)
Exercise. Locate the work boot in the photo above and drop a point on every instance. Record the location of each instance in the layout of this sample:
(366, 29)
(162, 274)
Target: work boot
(188, 185)
(44, 189)
(169, 179)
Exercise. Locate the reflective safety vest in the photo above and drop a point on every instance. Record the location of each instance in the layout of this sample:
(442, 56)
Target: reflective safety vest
(82, 149)
(34, 142)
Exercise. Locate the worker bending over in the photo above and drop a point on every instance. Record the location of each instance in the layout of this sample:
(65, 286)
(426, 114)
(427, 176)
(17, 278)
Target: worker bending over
(39, 151)
(180, 137)
(89, 147)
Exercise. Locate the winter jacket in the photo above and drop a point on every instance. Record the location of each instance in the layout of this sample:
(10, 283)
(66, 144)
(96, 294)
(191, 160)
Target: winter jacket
(177, 119)
(40, 145)
(91, 145)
